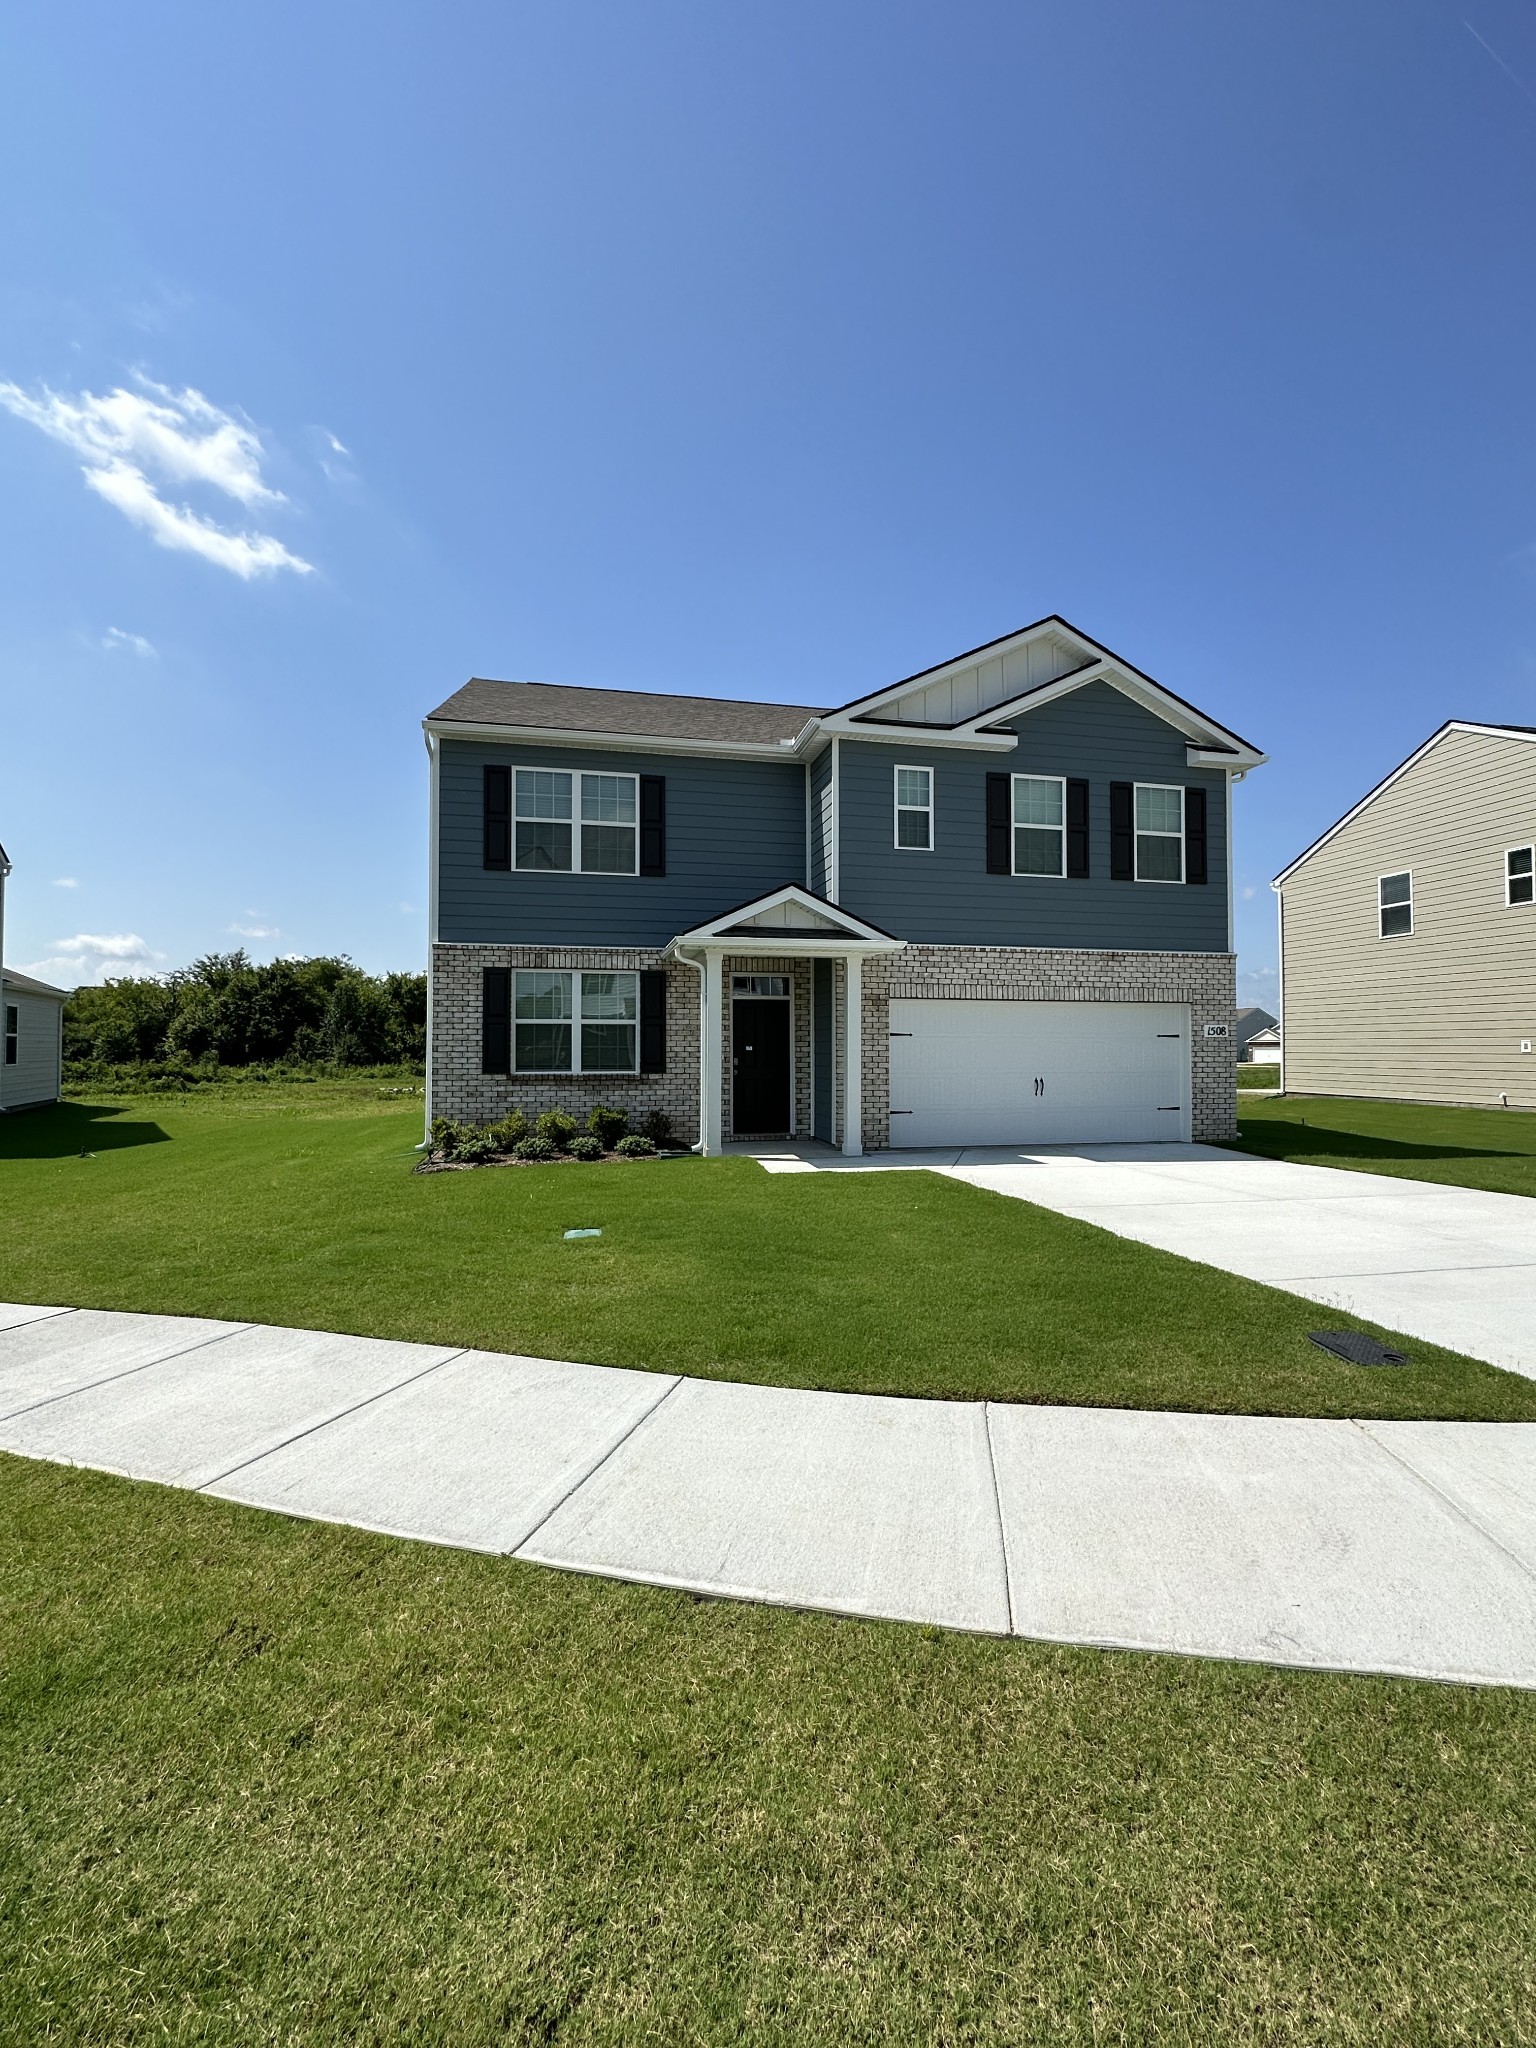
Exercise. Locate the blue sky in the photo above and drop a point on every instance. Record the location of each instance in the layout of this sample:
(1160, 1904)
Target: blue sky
(763, 350)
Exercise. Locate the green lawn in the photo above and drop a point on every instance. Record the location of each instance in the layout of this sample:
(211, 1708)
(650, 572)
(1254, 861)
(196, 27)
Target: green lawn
(270, 1782)
(1465, 1148)
(301, 1208)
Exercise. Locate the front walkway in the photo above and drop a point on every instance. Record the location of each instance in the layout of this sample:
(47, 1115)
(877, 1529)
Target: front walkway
(1405, 1547)
(1454, 1266)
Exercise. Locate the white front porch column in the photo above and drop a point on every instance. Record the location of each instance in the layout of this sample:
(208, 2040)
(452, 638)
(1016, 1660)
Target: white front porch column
(711, 1053)
(853, 1055)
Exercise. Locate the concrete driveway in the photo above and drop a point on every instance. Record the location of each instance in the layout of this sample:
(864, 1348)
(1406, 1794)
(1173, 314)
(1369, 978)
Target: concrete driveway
(1454, 1266)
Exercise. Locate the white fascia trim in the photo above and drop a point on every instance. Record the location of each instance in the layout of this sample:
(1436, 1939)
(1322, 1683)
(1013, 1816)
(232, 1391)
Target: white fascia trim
(793, 946)
(913, 735)
(632, 742)
(1497, 732)
(991, 650)
(718, 932)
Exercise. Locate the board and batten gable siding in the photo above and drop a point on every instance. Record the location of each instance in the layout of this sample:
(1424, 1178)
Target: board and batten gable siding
(735, 830)
(946, 896)
(1438, 1015)
(35, 1076)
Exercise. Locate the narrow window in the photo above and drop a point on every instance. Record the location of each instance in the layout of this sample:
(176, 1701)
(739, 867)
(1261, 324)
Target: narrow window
(1394, 898)
(914, 809)
(610, 1014)
(1039, 825)
(609, 825)
(12, 1019)
(543, 1023)
(1159, 833)
(543, 818)
(1519, 876)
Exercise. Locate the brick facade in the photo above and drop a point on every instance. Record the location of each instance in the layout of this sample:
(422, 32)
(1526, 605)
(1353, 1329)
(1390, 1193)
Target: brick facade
(1205, 981)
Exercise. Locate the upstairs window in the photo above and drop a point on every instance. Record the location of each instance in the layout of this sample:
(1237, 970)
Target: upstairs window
(1159, 832)
(12, 1033)
(550, 837)
(914, 809)
(1039, 825)
(1394, 900)
(1519, 875)
(576, 1023)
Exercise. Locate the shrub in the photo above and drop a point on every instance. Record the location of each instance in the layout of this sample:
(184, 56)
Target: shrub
(535, 1149)
(450, 1138)
(608, 1126)
(658, 1128)
(512, 1129)
(587, 1147)
(477, 1148)
(558, 1128)
(635, 1147)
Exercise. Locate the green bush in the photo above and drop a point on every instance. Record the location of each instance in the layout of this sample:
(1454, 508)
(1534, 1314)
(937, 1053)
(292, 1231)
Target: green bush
(608, 1126)
(587, 1147)
(558, 1128)
(635, 1147)
(659, 1128)
(535, 1149)
(510, 1131)
(478, 1148)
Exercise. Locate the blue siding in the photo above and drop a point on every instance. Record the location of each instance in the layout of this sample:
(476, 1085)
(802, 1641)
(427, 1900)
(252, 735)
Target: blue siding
(946, 897)
(735, 830)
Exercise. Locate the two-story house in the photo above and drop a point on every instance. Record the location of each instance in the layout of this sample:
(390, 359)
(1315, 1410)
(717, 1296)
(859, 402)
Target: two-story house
(989, 904)
(1408, 931)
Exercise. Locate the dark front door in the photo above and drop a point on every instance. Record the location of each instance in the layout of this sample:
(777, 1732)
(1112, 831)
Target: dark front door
(760, 1069)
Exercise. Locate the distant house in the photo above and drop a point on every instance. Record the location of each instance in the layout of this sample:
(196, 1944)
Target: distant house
(1248, 1022)
(31, 1065)
(1263, 1048)
(1408, 931)
(986, 904)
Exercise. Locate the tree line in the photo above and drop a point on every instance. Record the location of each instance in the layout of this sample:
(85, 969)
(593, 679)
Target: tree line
(227, 1010)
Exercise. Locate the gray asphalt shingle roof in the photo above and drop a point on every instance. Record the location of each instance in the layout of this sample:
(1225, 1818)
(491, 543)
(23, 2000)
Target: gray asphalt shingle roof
(26, 986)
(563, 707)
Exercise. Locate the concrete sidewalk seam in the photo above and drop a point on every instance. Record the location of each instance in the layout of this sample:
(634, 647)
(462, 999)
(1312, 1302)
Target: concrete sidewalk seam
(87, 1386)
(1002, 1525)
(202, 1482)
(1462, 1514)
(592, 1471)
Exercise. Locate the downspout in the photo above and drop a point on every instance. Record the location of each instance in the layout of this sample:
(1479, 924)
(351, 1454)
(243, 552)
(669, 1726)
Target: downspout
(1280, 977)
(1231, 925)
(434, 756)
(834, 861)
(698, 968)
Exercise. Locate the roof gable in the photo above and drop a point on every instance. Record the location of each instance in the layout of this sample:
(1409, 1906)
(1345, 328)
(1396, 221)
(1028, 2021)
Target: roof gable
(790, 913)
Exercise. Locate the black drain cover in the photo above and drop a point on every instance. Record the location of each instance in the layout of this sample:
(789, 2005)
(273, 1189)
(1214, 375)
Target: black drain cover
(1356, 1347)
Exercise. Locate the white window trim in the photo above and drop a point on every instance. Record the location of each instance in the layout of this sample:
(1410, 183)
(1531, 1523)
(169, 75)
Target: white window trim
(1137, 835)
(897, 806)
(1014, 828)
(1509, 901)
(575, 774)
(575, 1020)
(1391, 876)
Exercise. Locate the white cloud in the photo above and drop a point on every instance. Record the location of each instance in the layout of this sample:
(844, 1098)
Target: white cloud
(183, 438)
(333, 456)
(115, 637)
(65, 882)
(256, 931)
(407, 910)
(95, 957)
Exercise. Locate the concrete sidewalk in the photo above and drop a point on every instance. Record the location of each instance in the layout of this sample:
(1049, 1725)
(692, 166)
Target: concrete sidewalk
(1384, 1547)
(1455, 1266)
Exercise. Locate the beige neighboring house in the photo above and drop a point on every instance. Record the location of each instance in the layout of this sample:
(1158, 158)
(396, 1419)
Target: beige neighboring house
(1408, 931)
(32, 1012)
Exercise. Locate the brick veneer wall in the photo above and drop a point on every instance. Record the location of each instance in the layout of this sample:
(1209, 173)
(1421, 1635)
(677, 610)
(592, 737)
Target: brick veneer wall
(1206, 981)
(461, 1091)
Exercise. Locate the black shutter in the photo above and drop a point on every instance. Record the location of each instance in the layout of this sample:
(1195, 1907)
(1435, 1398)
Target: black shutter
(498, 818)
(1194, 836)
(496, 1019)
(653, 825)
(1122, 832)
(1077, 829)
(999, 824)
(653, 1019)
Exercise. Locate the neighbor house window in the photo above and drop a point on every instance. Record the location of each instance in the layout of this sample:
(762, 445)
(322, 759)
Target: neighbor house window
(914, 808)
(1159, 832)
(12, 1019)
(550, 835)
(576, 1023)
(1519, 876)
(1039, 825)
(1394, 898)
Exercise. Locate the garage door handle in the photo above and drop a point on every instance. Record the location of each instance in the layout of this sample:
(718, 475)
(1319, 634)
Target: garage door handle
(898, 1034)
(1170, 1034)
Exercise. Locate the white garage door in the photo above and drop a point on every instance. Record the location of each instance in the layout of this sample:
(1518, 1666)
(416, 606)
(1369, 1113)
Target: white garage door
(998, 1073)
